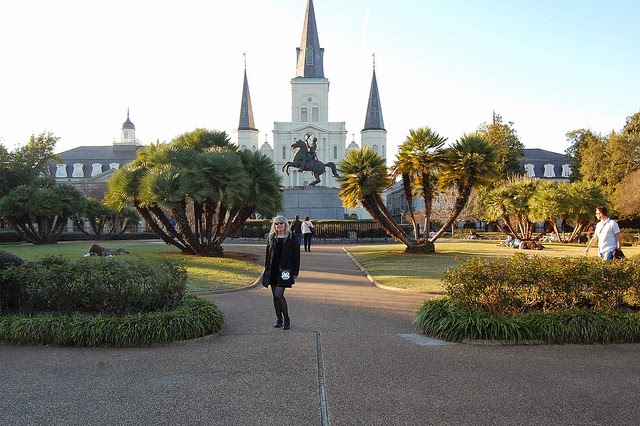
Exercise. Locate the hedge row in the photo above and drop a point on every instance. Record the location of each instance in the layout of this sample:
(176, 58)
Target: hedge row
(526, 283)
(103, 285)
(194, 317)
(451, 320)
(537, 299)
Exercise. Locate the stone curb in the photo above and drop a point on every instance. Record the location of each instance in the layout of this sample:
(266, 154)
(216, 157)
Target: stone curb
(384, 287)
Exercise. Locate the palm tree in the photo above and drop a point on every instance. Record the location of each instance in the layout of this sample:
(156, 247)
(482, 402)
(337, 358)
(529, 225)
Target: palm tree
(39, 211)
(470, 162)
(197, 190)
(363, 178)
(418, 160)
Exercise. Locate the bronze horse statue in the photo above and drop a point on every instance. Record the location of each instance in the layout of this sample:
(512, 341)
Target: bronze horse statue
(314, 165)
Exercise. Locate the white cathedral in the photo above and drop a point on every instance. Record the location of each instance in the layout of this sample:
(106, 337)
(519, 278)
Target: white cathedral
(310, 114)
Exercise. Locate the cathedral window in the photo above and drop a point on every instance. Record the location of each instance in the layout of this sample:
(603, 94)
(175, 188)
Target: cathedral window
(335, 152)
(314, 114)
(284, 153)
(309, 57)
(375, 148)
(304, 114)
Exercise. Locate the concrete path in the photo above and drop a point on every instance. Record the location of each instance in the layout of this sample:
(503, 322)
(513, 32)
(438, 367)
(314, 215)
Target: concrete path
(352, 357)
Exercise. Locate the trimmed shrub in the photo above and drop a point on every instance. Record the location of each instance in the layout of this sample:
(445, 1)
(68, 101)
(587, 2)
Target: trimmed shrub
(449, 320)
(537, 283)
(537, 299)
(104, 285)
(9, 259)
(194, 317)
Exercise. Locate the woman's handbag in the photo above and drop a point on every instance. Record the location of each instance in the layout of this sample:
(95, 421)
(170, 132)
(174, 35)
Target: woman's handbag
(285, 274)
(618, 254)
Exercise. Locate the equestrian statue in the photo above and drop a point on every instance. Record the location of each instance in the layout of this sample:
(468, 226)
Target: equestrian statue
(305, 159)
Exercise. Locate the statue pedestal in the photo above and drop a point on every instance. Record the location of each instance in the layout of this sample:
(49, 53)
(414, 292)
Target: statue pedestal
(315, 202)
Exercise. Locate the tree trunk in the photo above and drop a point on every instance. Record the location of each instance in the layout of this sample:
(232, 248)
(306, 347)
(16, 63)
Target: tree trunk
(377, 210)
(406, 185)
(151, 222)
(461, 201)
(427, 194)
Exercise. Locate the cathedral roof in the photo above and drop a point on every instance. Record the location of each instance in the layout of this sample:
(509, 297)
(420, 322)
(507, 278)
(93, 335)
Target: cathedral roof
(310, 63)
(246, 111)
(373, 120)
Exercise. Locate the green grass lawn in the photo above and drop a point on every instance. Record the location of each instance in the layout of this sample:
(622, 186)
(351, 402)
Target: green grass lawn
(235, 270)
(391, 266)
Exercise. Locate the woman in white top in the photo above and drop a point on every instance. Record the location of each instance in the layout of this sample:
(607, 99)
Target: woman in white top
(307, 233)
(607, 234)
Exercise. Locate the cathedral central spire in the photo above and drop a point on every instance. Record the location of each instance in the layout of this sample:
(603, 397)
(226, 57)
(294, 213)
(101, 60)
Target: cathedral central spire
(373, 119)
(310, 54)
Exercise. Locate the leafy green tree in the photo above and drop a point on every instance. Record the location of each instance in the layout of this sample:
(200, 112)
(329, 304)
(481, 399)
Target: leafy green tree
(470, 163)
(105, 223)
(39, 212)
(579, 141)
(363, 178)
(24, 164)
(632, 126)
(197, 190)
(417, 162)
(605, 160)
(506, 143)
(627, 196)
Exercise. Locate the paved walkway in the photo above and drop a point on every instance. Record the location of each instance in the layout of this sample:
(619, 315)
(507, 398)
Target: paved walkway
(352, 357)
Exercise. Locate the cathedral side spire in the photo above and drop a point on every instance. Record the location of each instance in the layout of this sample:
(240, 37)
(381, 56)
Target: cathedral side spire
(310, 54)
(246, 111)
(373, 120)
(247, 132)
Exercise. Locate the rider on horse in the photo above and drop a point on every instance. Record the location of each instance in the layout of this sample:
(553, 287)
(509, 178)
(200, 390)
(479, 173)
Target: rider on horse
(311, 151)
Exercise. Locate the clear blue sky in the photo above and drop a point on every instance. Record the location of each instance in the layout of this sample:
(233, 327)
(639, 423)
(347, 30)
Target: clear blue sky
(74, 67)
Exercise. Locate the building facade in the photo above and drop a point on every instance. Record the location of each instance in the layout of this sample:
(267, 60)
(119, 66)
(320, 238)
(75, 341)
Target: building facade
(535, 163)
(88, 168)
(310, 114)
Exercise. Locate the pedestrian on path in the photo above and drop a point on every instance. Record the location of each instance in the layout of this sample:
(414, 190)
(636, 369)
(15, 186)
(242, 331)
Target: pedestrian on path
(281, 267)
(607, 235)
(296, 227)
(307, 233)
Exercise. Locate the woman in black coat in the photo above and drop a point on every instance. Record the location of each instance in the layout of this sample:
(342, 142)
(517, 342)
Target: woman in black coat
(281, 267)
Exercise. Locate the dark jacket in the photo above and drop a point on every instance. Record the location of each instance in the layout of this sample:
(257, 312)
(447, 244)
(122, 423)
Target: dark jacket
(289, 259)
(296, 227)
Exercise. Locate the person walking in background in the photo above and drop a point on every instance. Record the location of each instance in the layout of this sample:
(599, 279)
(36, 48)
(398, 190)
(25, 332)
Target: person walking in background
(281, 267)
(296, 227)
(307, 233)
(606, 234)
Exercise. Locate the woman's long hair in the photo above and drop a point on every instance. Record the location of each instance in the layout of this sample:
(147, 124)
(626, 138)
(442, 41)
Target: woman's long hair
(287, 228)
